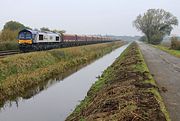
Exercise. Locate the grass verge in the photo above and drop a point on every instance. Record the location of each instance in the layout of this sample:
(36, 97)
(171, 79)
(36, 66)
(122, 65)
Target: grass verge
(125, 91)
(168, 50)
(23, 71)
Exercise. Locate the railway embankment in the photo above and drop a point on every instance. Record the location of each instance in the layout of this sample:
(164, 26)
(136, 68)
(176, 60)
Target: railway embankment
(125, 91)
(21, 72)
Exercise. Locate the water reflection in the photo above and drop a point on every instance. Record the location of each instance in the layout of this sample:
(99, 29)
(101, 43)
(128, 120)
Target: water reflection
(55, 99)
(38, 88)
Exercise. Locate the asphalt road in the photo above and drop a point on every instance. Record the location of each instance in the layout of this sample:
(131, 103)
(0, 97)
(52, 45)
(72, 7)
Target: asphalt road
(166, 71)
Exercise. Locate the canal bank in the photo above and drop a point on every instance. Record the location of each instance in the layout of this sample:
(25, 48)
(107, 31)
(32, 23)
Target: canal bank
(59, 100)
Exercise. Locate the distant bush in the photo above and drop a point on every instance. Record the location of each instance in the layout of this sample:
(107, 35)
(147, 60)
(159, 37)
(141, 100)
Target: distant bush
(8, 35)
(8, 45)
(8, 40)
(10, 31)
(175, 43)
(13, 26)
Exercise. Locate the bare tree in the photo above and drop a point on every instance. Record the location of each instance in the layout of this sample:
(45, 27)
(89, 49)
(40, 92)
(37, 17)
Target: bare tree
(155, 24)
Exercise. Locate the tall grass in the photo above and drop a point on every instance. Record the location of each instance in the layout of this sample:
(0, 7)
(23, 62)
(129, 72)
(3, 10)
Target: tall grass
(23, 71)
(8, 40)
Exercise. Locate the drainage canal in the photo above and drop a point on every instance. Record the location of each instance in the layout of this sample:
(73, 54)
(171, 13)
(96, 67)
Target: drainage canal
(58, 97)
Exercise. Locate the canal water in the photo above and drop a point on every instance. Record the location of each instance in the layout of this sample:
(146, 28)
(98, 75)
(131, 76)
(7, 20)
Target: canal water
(58, 98)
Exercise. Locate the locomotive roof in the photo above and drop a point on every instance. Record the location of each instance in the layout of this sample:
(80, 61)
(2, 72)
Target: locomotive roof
(29, 30)
(36, 32)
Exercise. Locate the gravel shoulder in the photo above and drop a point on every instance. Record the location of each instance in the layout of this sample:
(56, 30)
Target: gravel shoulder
(166, 71)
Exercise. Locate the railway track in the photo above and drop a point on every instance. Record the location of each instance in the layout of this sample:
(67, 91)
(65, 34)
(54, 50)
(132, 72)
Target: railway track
(8, 52)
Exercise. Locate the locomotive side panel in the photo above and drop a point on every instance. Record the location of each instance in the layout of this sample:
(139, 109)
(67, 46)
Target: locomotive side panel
(48, 38)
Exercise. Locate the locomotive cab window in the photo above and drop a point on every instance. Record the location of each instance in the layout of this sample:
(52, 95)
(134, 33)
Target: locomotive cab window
(40, 37)
(57, 38)
(25, 35)
(22, 35)
(28, 35)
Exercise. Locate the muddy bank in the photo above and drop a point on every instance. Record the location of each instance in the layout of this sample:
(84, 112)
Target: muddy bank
(125, 91)
(22, 72)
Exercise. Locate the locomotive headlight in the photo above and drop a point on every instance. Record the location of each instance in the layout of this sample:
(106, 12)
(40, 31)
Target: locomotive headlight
(25, 41)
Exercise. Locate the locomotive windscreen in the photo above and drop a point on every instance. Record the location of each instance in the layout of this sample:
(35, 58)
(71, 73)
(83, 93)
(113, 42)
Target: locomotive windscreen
(25, 35)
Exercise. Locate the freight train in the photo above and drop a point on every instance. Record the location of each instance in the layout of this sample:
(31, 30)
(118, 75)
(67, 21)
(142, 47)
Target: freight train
(32, 40)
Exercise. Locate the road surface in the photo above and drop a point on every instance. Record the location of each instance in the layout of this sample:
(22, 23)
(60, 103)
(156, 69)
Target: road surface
(166, 71)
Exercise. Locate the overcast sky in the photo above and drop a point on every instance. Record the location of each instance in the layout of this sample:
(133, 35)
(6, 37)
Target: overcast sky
(83, 16)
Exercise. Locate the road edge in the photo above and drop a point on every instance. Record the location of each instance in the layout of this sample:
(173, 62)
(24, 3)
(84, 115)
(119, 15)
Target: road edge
(156, 92)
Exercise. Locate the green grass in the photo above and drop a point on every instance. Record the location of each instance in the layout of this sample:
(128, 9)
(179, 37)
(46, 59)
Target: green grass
(23, 71)
(168, 50)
